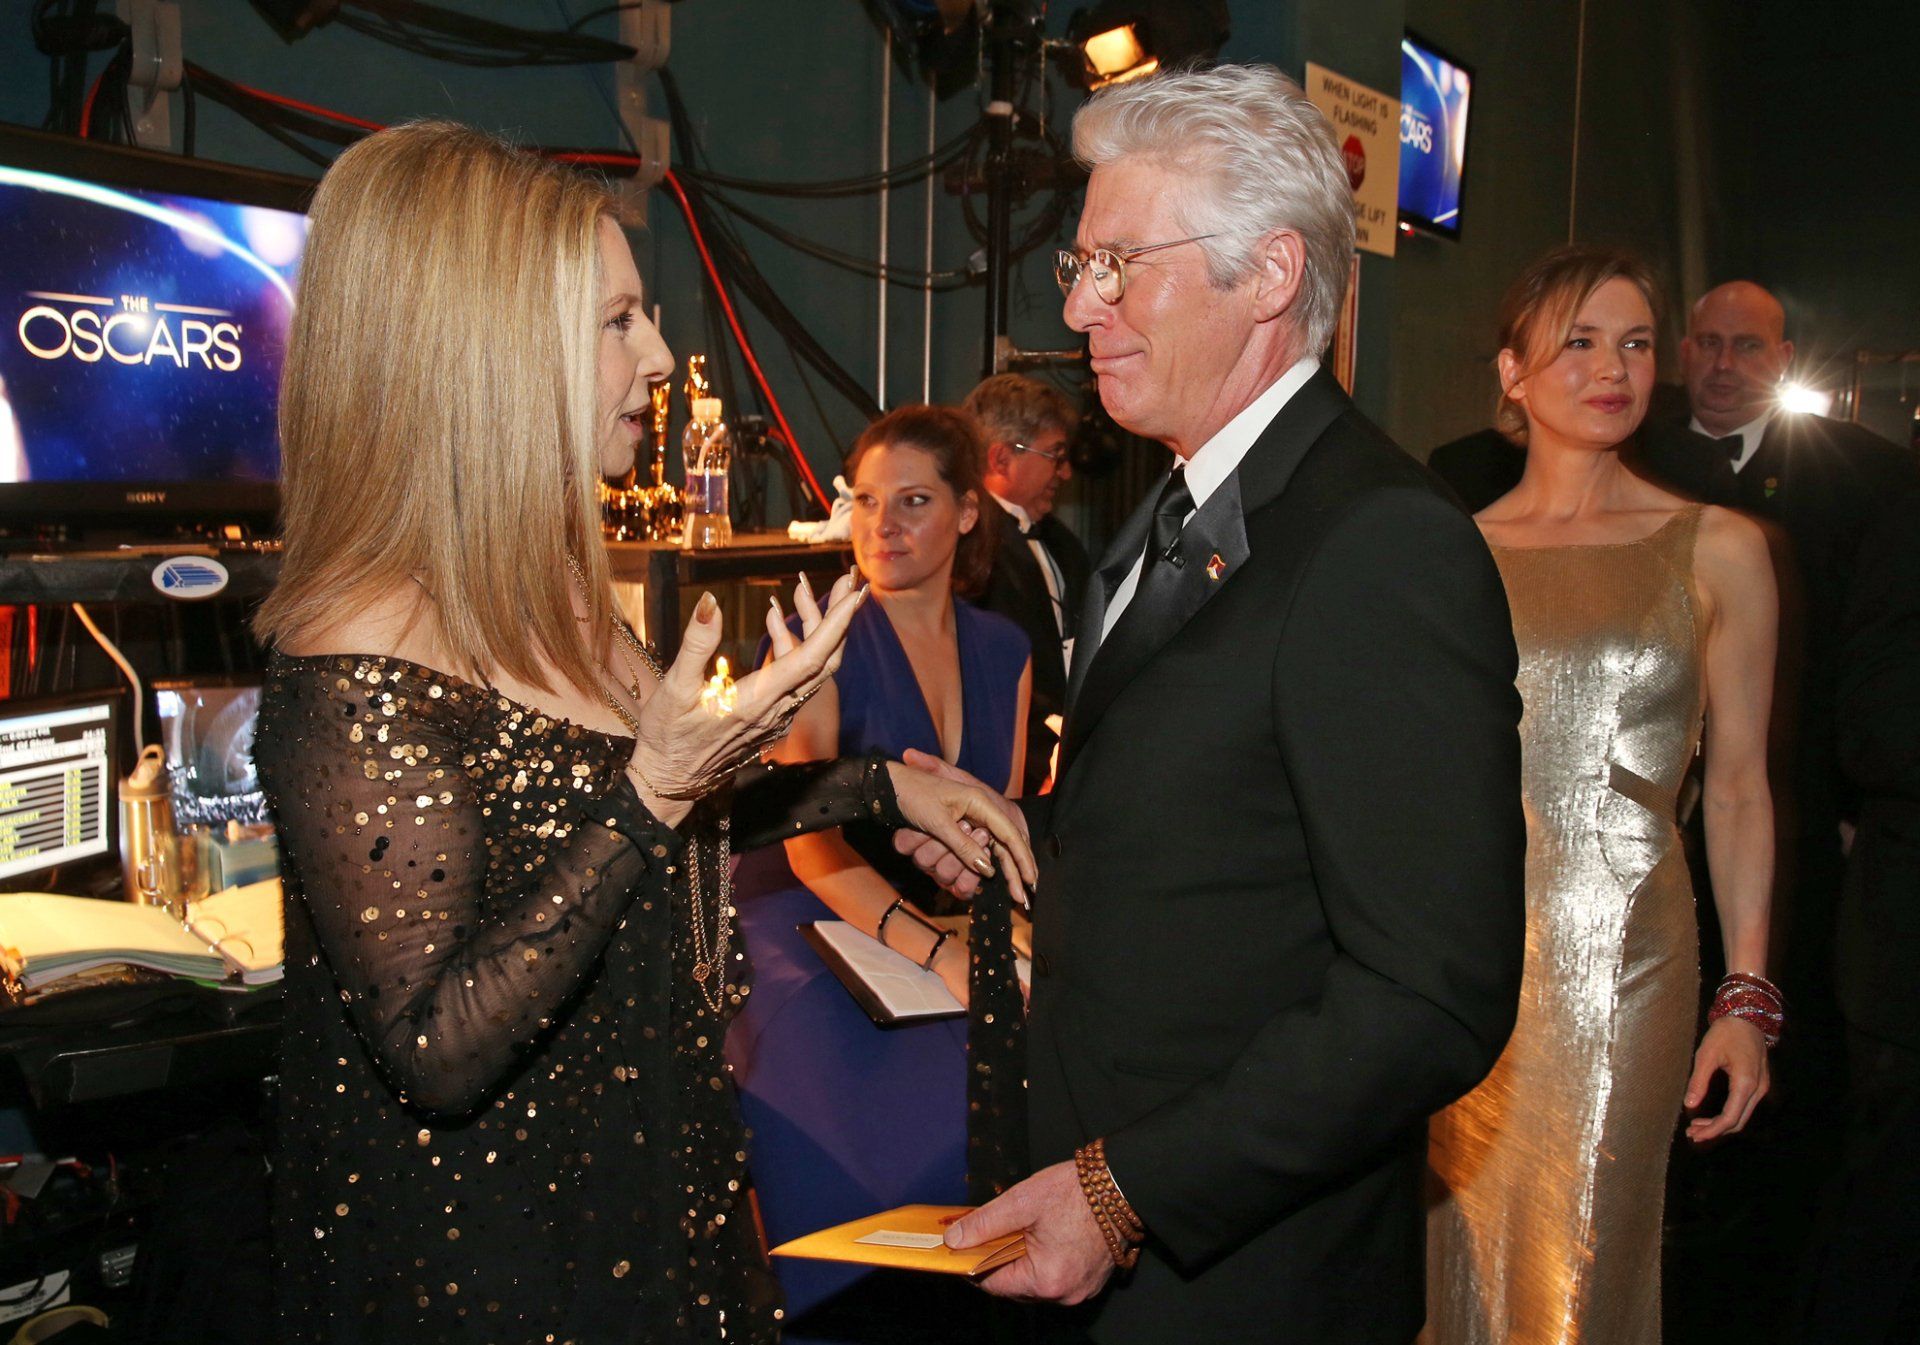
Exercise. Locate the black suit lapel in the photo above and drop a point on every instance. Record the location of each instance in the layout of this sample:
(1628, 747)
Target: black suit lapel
(1173, 594)
(1168, 597)
(1067, 554)
(1120, 555)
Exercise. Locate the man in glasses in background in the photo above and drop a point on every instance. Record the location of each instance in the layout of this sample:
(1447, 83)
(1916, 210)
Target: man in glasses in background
(1280, 915)
(1039, 567)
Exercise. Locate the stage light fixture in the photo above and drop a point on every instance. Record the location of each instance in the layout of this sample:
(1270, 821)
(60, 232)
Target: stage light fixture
(1120, 40)
(1116, 56)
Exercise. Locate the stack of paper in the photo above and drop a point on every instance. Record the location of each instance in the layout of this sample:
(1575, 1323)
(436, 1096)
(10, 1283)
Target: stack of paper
(237, 934)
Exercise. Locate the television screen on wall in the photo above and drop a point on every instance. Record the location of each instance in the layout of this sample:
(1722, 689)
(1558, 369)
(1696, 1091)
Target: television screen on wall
(1435, 91)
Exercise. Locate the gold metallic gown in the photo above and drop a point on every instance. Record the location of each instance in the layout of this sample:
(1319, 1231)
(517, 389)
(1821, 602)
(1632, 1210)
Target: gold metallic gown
(1544, 1220)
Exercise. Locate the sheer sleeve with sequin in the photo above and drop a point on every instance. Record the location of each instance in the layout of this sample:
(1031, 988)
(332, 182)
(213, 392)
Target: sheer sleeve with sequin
(448, 978)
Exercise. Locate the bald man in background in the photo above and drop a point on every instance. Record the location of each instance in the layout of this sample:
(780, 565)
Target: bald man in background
(1819, 486)
(1822, 485)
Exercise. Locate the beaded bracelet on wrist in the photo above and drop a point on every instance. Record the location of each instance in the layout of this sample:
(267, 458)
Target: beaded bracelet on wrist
(1119, 1225)
(1753, 999)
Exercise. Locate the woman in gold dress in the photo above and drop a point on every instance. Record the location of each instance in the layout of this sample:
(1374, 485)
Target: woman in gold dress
(1636, 614)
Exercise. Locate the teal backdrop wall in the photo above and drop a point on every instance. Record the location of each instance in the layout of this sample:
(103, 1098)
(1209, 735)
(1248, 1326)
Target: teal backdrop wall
(1718, 138)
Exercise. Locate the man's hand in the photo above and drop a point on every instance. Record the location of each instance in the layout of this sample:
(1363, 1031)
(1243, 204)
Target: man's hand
(1067, 1259)
(934, 856)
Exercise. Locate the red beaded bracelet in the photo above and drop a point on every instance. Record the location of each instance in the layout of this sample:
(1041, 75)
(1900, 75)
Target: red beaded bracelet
(1754, 999)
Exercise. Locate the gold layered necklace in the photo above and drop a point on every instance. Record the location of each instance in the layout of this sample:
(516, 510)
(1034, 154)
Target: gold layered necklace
(709, 956)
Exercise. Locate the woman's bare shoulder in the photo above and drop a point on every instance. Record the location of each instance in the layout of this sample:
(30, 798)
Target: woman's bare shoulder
(1729, 536)
(394, 624)
(1733, 564)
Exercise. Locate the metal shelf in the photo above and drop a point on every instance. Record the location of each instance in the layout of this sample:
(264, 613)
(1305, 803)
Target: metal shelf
(125, 576)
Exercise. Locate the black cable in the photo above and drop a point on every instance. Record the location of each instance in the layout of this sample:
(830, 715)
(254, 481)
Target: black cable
(591, 14)
(899, 175)
(488, 33)
(743, 274)
(66, 39)
(441, 34)
(282, 123)
(905, 277)
(747, 279)
(111, 116)
(248, 109)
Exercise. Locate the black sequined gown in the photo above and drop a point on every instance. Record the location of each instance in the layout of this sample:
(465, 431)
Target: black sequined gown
(504, 1112)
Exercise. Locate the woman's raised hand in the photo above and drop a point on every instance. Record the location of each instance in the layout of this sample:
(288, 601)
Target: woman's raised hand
(683, 750)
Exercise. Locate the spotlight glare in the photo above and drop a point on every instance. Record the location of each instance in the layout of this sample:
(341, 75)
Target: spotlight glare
(1798, 397)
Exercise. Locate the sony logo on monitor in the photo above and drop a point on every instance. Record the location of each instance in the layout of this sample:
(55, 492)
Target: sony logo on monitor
(146, 497)
(129, 330)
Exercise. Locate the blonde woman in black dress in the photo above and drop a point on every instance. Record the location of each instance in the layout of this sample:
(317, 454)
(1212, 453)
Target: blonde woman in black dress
(510, 957)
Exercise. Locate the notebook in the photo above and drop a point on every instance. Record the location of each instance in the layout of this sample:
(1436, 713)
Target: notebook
(231, 936)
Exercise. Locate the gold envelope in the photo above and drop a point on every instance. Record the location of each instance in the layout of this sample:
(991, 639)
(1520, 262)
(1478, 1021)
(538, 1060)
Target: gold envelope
(907, 1238)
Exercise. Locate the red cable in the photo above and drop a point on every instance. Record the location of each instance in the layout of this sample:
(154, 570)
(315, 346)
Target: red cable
(699, 240)
(86, 112)
(746, 349)
(313, 108)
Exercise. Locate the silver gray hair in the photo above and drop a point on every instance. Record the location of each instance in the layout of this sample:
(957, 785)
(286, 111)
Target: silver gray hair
(1266, 157)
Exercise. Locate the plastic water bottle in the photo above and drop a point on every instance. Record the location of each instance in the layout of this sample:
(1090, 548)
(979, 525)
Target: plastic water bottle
(707, 452)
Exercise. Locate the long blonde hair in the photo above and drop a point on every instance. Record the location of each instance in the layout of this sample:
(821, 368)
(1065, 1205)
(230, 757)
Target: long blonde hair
(438, 407)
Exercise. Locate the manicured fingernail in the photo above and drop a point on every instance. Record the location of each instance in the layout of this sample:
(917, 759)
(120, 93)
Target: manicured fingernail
(709, 607)
(805, 587)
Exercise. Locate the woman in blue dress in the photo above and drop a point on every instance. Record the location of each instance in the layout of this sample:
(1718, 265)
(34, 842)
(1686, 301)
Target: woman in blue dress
(847, 1118)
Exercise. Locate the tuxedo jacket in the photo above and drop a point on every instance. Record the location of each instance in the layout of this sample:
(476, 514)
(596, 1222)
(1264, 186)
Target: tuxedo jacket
(1016, 589)
(1877, 720)
(1280, 917)
(1822, 485)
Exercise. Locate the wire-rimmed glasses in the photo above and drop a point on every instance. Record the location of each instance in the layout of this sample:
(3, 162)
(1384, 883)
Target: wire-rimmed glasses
(1055, 458)
(1106, 267)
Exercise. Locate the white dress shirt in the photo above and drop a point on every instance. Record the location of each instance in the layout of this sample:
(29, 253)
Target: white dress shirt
(1216, 460)
(1749, 436)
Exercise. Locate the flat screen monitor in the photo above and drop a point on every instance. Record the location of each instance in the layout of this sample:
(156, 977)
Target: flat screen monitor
(1435, 92)
(207, 729)
(144, 307)
(57, 782)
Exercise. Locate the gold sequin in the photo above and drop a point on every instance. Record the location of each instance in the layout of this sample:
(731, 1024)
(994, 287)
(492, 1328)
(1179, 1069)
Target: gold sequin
(500, 841)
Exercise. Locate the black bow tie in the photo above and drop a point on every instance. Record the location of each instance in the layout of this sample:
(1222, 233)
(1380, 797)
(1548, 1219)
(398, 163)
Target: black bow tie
(1735, 445)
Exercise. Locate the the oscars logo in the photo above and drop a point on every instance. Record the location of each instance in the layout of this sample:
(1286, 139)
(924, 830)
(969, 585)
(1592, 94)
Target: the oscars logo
(129, 330)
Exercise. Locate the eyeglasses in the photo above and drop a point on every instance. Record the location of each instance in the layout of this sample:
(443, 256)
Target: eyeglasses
(1106, 267)
(1055, 458)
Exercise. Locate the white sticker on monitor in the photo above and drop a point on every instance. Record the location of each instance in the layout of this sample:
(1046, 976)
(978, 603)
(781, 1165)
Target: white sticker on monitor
(189, 578)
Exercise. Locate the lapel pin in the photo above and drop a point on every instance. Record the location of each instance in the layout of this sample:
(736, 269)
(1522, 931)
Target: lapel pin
(1216, 567)
(1772, 484)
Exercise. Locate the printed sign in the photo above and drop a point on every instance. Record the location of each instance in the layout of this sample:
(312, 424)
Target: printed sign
(1366, 126)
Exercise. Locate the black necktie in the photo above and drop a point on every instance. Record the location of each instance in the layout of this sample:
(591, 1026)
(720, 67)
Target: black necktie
(1735, 445)
(1169, 515)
